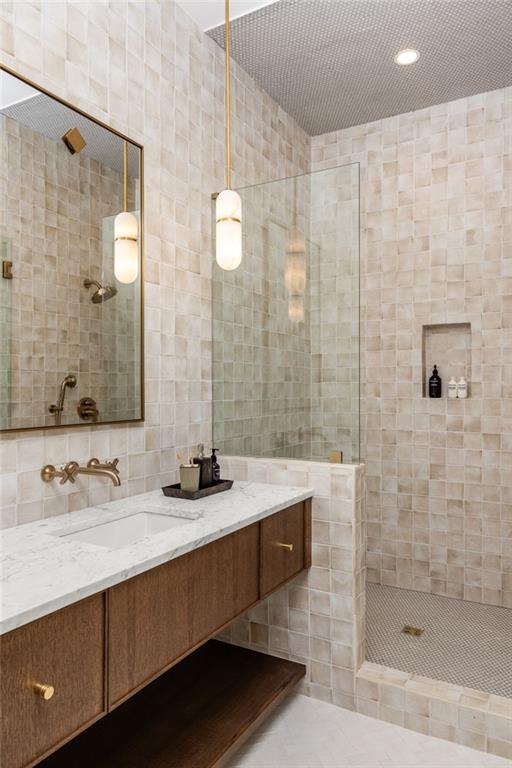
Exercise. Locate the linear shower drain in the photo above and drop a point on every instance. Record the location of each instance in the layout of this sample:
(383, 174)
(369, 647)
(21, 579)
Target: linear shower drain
(407, 629)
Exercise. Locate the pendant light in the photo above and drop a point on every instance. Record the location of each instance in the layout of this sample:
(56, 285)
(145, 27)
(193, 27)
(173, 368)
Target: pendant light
(295, 266)
(228, 206)
(126, 231)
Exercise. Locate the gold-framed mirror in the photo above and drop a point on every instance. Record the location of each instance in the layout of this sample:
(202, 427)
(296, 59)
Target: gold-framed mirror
(71, 277)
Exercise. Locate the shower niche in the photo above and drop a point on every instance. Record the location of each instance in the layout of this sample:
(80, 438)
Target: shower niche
(447, 345)
(71, 278)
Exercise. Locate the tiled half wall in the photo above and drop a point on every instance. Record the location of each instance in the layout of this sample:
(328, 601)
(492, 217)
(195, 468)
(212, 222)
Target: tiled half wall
(318, 618)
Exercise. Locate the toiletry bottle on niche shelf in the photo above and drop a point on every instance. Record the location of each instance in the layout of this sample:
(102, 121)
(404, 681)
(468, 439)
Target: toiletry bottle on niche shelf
(462, 388)
(435, 384)
(452, 388)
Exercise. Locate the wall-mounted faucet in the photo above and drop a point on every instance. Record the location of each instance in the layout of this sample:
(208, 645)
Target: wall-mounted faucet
(107, 469)
(57, 408)
(72, 469)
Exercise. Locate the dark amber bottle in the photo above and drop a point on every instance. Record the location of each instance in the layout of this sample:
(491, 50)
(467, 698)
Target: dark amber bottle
(435, 384)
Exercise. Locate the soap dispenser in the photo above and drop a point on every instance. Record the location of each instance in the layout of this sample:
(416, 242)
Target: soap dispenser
(205, 467)
(452, 388)
(435, 384)
(215, 466)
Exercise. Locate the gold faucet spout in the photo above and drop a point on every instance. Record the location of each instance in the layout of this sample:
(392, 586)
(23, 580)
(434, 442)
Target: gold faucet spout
(108, 469)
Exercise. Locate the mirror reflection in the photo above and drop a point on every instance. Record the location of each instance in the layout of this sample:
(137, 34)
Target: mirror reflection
(70, 250)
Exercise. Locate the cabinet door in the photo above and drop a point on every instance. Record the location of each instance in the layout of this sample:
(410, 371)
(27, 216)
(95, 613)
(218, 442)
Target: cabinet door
(64, 651)
(159, 616)
(282, 547)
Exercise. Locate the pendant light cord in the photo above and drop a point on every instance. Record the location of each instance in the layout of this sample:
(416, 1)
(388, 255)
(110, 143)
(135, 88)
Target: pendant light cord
(125, 180)
(228, 100)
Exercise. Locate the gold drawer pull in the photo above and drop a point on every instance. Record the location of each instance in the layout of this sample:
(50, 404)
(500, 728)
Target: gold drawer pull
(45, 692)
(280, 544)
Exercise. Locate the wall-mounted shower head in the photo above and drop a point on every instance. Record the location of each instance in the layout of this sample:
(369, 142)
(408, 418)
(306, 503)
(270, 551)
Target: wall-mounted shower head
(102, 292)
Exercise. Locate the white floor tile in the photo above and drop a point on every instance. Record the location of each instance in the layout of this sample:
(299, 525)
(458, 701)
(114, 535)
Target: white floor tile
(305, 733)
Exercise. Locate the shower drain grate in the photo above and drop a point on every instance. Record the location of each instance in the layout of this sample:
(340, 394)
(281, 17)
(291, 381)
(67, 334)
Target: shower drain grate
(408, 629)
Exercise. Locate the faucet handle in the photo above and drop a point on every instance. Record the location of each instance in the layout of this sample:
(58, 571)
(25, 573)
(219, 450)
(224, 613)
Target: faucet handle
(69, 472)
(113, 463)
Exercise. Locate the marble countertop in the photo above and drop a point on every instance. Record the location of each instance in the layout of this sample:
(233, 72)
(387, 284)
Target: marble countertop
(42, 570)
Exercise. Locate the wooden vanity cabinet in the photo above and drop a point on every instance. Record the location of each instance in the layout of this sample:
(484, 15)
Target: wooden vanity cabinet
(161, 615)
(64, 651)
(99, 652)
(284, 549)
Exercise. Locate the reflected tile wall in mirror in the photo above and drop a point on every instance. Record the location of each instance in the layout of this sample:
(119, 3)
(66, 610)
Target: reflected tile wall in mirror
(57, 213)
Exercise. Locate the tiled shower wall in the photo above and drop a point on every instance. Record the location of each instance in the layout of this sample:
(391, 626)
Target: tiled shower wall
(437, 246)
(335, 265)
(146, 69)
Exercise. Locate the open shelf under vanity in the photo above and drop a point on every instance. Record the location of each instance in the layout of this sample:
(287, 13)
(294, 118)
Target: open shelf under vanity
(197, 714)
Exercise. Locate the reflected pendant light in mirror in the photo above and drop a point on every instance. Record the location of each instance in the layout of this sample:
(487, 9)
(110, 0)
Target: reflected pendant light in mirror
(228, 206)
(126, 233)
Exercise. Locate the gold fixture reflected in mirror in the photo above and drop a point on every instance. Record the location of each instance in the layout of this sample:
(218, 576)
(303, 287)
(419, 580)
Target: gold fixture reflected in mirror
(57, 408)
(74, 141)
(102, 292)
(87, 409)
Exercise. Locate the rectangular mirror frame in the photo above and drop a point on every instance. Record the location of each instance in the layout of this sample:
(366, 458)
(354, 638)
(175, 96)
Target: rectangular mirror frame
(68, 104)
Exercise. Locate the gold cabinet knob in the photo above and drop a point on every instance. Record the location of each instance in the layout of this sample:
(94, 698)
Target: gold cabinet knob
(44, 692)
(280, 544)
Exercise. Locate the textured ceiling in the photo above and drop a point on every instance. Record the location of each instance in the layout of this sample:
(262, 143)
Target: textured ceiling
(330, 63)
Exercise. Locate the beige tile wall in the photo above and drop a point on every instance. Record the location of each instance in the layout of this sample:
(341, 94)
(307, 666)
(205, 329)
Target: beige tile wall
(147, 70)
(335, 267)
(437, 247)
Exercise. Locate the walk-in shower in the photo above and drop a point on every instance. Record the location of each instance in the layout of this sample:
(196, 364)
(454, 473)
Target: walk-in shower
(286, 322)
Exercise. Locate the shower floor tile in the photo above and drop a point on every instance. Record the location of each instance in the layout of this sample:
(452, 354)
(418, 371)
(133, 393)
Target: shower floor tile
(464, 643)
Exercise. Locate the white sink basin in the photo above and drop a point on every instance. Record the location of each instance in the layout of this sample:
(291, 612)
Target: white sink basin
(127, 530)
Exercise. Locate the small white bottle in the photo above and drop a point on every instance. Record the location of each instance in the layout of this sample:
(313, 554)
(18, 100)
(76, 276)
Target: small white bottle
(452, 388)
(462, 388)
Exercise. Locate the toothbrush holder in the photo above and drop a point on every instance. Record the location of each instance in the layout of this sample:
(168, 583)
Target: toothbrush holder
(189, 477)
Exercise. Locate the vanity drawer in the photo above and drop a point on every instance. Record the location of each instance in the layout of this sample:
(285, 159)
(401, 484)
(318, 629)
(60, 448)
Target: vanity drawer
(284, 550)
(64, 650)
(163, 614)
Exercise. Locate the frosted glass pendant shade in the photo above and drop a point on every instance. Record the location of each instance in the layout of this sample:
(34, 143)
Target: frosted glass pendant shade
(228, 230)
(126, 247)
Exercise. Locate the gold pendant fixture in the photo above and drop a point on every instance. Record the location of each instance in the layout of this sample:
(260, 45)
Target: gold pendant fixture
(126, 231)
(228, 207)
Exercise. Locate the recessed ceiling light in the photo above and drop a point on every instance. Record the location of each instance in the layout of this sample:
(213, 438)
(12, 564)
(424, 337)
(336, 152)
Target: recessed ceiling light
(407, 56)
